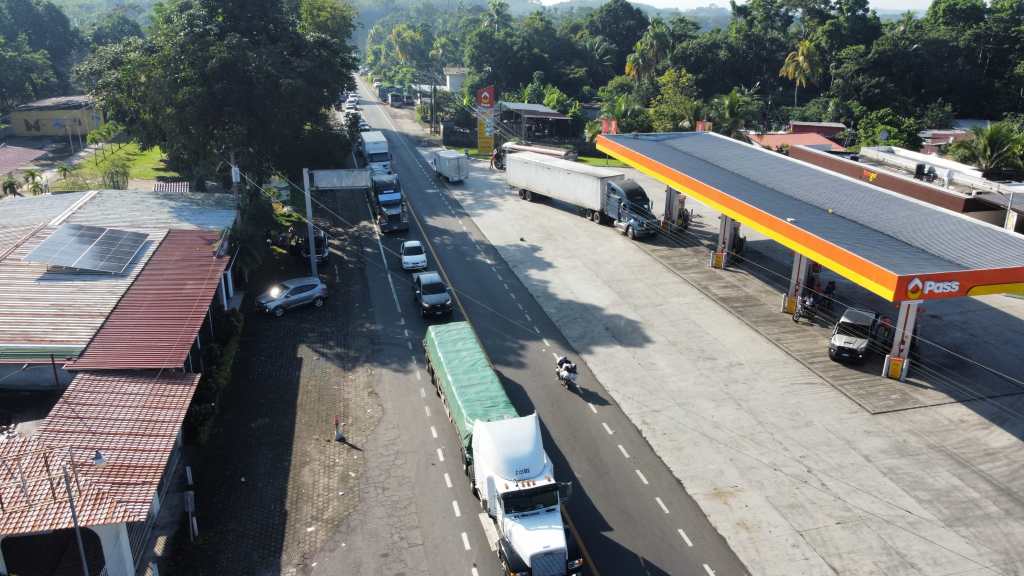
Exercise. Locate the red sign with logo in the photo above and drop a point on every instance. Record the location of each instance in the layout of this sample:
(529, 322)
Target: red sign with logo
(485, 97)
(609, 126)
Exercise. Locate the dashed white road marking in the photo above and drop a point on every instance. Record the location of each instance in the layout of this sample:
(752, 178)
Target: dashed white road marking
(455, 507)
(555, 355)
(607, 428)
(406, 331)
(490, 532)
(638, 473)
(546, 343)
(499, 275)
(709, 570)
(427, 410)
(623, 450)
(417, 375)
(506, 285)
(409, 343)
(512, 295)
(662, 504)
(685, 538)
(440, 455)
(528, 319)
(433, 432)
(520, 306)
(423, 392)
(473, 571)
(592, 407)
(337, 275)
(447, 480)
(465, 543)
(535, 329)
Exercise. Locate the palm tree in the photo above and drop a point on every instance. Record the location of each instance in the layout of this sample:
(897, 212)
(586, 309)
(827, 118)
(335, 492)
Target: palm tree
(64, 170)
(33, 179)
(802, 65)
(9, 186)
(600, 52)
(731, 111)
(993, 149)
(649, 51)
(496, 15)
(625, 110)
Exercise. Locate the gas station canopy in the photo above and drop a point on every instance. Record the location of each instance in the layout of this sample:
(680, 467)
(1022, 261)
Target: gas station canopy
(897, 247)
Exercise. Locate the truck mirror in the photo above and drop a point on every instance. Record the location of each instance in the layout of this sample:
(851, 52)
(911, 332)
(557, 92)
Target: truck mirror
(564, 491)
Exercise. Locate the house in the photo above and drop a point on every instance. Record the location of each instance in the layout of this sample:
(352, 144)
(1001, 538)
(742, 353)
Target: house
(787, 140)
(454, 78)
(61, 116)
(114, 293)
(534, 123)
(932, 141)
(826, 129)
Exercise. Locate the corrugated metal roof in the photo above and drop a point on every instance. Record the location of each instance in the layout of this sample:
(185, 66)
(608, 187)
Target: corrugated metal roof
(900, 234)
(34, 210)
(51, 312)
(812, 139)
(59, 103)
(137, 210)
(132, 418)
(155, 323)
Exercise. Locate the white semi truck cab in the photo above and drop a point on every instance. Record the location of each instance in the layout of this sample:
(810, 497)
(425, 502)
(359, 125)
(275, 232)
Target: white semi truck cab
(515, 481)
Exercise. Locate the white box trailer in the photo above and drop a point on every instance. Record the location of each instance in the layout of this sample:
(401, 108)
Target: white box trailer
(375, 149)
(453, 166)
(602, 194)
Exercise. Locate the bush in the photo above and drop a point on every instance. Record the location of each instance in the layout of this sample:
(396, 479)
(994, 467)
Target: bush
(220, 361)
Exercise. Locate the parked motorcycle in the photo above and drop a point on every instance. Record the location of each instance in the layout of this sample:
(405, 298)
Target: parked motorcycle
(806, 307)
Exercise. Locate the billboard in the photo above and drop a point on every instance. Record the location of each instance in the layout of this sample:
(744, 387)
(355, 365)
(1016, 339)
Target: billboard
(485, 98)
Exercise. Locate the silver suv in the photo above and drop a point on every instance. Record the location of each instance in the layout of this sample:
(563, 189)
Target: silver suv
(292, 293)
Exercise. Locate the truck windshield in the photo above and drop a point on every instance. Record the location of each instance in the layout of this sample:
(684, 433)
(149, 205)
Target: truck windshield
(390, 199)
(379, 157)
(530, 500)
(636, 195)
(852, 330)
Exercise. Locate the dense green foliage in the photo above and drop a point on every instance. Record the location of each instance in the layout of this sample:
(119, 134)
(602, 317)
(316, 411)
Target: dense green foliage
(38, 46)
(776, 60)
(213, 79)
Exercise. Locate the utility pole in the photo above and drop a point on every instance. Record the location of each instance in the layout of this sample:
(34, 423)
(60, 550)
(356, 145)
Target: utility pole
(433, 106)
(311, 246)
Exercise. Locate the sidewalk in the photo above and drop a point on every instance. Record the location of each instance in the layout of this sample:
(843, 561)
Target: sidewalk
(796, 477)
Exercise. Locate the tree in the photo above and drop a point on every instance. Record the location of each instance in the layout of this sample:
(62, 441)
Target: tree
(217, 80)
(9, 186)
(620, 23)
(497, 16)
(993, 149)
(650, 52)
(733, 111)
(628, 113)
(887, 128)
(112, 28)
(33, 181)
(63, 170)
(676, 107)
(27, 74)
(802, 65)
(115, 173)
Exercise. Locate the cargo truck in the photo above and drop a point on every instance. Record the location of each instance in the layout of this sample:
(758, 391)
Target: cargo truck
(375, 149)
(503, 456)
(601, 194)
(453, 166)
(389, 203)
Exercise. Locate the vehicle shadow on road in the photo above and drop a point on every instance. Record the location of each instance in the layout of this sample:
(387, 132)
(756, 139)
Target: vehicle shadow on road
(591, 526)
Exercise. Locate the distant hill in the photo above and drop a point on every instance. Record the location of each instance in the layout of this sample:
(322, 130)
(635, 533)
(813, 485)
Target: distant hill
(708, 17)
(84, 12)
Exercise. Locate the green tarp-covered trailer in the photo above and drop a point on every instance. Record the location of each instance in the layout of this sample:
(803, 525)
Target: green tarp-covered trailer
(468, 385)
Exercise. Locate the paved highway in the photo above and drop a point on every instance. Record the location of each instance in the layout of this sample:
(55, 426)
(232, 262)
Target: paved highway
(632, 516)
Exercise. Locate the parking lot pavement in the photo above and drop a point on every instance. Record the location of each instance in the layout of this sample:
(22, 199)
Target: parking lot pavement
(273, 483)
(795, 476)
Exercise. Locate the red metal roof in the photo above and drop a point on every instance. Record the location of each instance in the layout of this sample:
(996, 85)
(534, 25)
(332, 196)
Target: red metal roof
(132, 418)
(774, 141)
(158, 318)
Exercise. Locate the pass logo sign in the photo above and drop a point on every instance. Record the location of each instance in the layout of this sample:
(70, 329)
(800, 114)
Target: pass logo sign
(917, 288)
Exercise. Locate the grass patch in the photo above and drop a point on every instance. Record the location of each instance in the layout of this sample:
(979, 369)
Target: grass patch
(473, 152)
(602, 161)
(142, 164)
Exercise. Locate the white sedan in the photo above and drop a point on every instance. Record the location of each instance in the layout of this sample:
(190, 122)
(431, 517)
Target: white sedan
(413, 256)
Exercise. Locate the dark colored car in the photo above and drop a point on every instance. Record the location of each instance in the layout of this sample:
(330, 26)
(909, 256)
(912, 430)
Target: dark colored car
(434, 297)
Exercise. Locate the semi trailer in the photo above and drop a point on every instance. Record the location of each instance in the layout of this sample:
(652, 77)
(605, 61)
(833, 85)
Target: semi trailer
(601, 194)
(503, 457)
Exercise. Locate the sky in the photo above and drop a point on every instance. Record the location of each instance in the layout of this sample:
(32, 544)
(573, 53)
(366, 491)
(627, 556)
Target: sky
(687, 4)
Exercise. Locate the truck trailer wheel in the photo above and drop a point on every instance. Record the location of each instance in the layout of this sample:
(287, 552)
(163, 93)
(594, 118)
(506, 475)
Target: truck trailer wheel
(595, 216)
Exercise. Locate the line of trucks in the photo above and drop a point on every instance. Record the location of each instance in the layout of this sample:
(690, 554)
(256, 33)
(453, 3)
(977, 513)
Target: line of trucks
(503, 457)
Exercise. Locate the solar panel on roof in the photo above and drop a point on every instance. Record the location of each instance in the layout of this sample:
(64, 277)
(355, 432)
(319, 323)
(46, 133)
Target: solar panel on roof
(89, 248)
